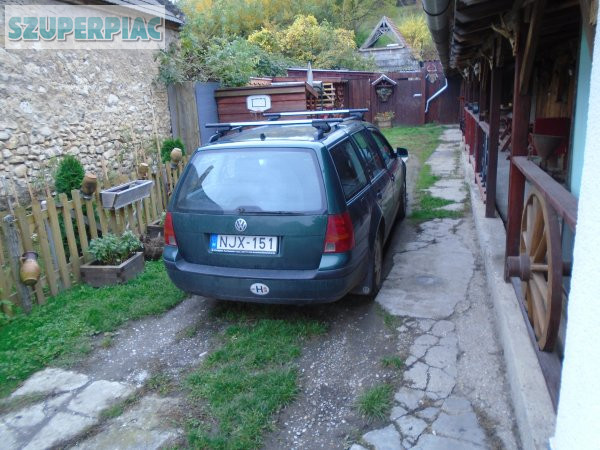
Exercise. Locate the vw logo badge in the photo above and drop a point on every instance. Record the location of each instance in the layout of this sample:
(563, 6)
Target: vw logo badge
(240, 225)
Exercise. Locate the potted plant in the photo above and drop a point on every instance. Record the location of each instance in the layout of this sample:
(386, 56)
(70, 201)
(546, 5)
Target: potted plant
(384, 119)
(117, 259)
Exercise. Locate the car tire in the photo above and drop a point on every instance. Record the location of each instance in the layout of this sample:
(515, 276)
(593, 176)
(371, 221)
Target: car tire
(376, 269)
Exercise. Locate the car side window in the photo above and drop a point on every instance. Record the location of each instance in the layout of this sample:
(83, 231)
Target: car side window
(384, 147)
(349, 169)
(369, 153)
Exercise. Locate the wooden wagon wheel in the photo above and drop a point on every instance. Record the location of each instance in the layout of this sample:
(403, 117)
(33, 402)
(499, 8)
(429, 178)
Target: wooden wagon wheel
(540, 268)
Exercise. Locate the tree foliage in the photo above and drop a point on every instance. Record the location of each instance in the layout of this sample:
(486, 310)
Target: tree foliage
(307, 40)
(415, 31)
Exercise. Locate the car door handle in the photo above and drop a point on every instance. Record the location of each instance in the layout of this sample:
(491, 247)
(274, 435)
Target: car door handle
(379, 195)
(393, 177)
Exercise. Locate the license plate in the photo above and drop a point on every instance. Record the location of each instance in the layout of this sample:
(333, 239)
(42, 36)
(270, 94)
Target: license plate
(243, 244)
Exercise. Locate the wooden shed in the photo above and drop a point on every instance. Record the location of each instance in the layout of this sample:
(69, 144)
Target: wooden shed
(248, 102)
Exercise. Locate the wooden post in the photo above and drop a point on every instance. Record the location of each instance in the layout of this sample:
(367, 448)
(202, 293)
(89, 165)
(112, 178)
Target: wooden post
(45, 247)
(71, 241)
(59, 249)
(516, 184)
(492, 168)
(12, 237)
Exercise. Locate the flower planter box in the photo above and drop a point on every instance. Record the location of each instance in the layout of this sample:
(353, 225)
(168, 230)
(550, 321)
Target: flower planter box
(384, 123)
(97, 275)
(125, 194)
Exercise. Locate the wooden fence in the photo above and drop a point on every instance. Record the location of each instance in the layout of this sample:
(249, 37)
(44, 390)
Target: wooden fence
(60, 230)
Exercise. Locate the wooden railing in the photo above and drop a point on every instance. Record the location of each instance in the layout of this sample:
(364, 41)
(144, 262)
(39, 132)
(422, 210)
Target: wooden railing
(60, 230)
(477, 140)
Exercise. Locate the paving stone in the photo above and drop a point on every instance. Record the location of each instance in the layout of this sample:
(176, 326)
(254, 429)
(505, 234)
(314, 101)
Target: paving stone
(98, 396)
(54, 403)
(411, 427)
(8, 440)
(451, 370)
(441, 357)
(431, 442)
(397, 412)
(449, 340)
(409, 398)
(410, 361)
(26, 417)
(386, 438)
(463, 426)
(426, 339)
(417, 375)
(357, 447)
(51, 380)
(455, 405)
(428, 413)
(61, 427)
(143, 426)
(418, 351)
(440, 382)
(442, 328)
(426, 324)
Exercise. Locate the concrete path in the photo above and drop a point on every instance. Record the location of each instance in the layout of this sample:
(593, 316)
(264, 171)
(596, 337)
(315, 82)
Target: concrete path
(454, 392)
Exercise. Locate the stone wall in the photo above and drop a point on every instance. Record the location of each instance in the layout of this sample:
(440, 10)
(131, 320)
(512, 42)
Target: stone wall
(92, 104)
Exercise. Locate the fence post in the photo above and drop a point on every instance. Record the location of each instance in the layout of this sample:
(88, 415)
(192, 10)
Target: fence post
(15, 256)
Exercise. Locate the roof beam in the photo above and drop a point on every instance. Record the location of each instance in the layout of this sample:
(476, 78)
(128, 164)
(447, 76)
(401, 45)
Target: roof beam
(537, 16)
(586, 23)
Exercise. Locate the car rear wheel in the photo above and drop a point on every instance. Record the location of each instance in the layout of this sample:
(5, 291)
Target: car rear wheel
(376, 270)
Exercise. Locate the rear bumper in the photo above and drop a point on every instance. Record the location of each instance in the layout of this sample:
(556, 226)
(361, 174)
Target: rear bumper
(285, 286)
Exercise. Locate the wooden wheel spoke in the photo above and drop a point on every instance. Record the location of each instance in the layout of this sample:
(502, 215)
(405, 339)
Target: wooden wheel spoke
(539, 303)
(540, 251)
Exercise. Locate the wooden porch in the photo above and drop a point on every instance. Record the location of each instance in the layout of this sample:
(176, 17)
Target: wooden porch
(519, 62)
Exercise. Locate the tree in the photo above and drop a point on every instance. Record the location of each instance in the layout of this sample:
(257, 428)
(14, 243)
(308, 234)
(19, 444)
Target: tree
(415, 31)
(305, 40)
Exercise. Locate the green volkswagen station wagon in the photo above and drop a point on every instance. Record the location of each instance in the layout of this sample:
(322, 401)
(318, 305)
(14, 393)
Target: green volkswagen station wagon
(289, 211)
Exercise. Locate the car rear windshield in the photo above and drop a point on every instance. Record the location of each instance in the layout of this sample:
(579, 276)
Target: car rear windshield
(280, 181)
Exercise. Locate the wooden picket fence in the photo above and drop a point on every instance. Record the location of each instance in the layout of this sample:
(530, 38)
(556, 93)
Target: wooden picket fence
(60, 230)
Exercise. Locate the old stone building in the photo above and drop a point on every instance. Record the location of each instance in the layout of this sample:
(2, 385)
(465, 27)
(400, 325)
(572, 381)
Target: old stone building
(95, 104)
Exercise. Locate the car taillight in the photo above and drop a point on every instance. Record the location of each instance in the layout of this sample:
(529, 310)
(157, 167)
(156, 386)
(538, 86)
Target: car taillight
(340, 234)
(169, 232)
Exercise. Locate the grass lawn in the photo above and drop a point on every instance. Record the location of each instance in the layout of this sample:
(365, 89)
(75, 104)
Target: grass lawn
(421, 142)
(64, 326)
(249, 377)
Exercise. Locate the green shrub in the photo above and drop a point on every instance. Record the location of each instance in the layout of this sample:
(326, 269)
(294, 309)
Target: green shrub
(113, 250)
(168, 145)
(69, 175)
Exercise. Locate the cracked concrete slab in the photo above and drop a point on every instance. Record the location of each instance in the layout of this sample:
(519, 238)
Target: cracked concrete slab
(145, 426)
(98, 396)
(386, 438)
(51, 380)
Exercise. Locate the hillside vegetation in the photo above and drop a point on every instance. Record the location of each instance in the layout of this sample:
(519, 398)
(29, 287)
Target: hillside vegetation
(232, 40)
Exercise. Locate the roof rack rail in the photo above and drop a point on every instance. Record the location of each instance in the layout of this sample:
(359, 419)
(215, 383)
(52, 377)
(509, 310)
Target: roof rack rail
(322, 125)
(357, 113)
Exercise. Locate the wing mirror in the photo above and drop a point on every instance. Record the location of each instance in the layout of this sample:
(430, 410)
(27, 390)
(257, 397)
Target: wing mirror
(402, 152)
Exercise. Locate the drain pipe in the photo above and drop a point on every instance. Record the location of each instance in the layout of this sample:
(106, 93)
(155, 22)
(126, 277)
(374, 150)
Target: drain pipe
(442, 89)
(438, 16)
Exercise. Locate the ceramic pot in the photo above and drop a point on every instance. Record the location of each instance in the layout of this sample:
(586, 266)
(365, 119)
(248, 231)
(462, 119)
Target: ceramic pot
(89, 184)
(30, 269)
(176, 155)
